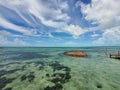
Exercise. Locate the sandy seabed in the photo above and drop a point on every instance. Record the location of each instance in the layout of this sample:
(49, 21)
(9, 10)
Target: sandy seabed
(50, 69)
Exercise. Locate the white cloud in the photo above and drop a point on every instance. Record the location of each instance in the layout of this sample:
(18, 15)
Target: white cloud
(51, 13)
(64, 5)
(44, 11)
(8, 25)
(14, 42)
(75, 30)
(5, 33)
(102, 12)
(106, 15)
(109, 37)
(94, 35)
(17, 42)
(9, 34)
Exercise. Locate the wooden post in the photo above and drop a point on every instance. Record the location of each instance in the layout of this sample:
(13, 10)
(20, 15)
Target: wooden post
(110, 55)
(106, 52)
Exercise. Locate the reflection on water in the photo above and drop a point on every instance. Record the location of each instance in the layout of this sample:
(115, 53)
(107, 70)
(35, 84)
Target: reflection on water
(49, 69)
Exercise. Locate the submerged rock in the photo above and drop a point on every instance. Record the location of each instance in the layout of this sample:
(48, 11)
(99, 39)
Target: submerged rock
(47, 75)
(99, 86)
(23, 77)
(31, 77)
(4, 81)
(57, 66)
(75, 54)
(3, 72)
(56, 80)
(8, 88)
(59, 78)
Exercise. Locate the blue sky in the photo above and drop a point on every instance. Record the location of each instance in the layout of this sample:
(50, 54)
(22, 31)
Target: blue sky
(59, 23)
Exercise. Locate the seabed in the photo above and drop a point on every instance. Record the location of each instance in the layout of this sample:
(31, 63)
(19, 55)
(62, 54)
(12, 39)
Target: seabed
(50, 69)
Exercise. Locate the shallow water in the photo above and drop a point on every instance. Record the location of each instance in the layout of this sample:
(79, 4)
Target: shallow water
(49, 69)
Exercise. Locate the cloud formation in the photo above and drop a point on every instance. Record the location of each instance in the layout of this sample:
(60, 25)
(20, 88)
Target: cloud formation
(49, 13)
(102, 12)
(106, 15)
(15, 42)
(8, 25)
(110, 37)
(42, 18)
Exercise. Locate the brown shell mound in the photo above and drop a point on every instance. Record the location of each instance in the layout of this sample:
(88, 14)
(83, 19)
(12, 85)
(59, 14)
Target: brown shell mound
(75, 54)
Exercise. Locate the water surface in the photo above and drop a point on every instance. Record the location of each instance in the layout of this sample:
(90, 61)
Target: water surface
(49, 69)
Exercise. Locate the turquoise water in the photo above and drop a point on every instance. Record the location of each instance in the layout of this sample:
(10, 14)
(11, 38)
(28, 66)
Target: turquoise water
(49, 69)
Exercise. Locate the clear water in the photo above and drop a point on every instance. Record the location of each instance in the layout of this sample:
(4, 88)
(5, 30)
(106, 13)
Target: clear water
(49, 69)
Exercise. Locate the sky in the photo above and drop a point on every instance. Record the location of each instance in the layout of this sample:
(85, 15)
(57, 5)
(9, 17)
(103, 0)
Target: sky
(58, 23)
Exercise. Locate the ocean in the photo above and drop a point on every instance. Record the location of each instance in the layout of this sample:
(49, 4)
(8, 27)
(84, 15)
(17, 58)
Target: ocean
(47, 68)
